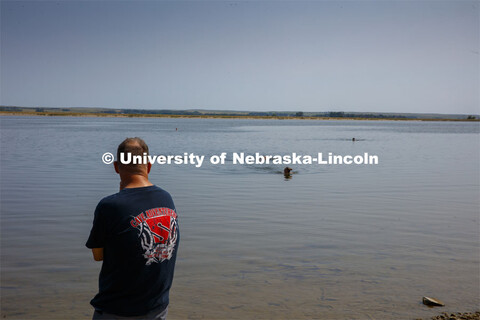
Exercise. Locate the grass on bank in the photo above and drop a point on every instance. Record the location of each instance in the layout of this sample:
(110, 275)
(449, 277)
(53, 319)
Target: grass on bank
(206, 116)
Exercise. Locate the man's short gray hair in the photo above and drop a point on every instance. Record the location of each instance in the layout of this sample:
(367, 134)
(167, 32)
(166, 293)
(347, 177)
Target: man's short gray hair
(135, 146)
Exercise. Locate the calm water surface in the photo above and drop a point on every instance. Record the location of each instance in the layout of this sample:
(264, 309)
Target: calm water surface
(333, 242)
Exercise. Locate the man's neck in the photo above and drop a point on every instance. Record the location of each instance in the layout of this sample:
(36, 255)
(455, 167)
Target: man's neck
(134, 181)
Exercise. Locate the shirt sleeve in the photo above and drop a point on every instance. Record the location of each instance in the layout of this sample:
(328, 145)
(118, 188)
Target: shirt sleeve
(98, 233)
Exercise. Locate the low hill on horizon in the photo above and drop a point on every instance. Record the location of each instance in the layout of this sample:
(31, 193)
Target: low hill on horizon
(206, 112)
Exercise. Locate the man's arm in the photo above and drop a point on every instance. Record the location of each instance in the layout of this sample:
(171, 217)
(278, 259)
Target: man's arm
(97, 254)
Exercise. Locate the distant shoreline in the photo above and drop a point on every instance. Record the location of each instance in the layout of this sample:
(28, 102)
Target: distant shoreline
(206, 116)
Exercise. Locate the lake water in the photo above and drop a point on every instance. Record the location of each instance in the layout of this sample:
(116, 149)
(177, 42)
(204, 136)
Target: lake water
(332, 242)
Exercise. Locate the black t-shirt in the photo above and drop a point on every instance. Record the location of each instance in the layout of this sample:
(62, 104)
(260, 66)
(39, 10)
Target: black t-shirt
(139, 232)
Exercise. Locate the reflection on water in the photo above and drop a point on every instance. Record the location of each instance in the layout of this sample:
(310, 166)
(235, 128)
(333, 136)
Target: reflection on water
(332, 242)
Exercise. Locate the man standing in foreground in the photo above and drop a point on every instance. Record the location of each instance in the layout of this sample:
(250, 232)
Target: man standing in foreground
(135, 233)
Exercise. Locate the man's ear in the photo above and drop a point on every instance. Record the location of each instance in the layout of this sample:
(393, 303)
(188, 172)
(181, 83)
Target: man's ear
(149, 167)
(115, 165)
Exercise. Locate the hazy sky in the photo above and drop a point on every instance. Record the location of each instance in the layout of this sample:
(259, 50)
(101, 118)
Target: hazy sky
(383, 56)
